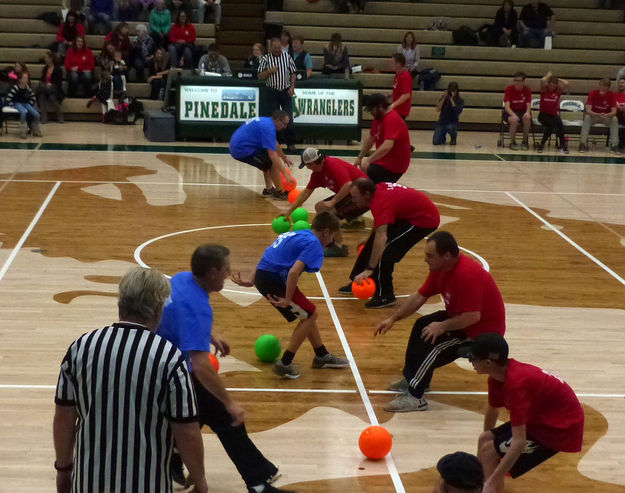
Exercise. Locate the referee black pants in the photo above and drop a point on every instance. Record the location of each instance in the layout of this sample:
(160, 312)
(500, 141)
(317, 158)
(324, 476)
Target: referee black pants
(401, 237)
(252, 465)
(280, 100)
(422, 357)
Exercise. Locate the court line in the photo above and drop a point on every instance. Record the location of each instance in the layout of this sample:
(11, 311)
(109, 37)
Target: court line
(499, 157)
(568, 240)
(390, 462)
(29, 230)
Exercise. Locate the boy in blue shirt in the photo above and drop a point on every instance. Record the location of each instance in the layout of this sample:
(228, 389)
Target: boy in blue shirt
(276, 278)
(256, 144)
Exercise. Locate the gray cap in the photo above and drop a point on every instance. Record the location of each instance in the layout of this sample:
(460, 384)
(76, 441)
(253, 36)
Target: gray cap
(309, 156)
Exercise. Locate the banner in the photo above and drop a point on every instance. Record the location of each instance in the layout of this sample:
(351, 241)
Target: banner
(325, 106)
(218, 104)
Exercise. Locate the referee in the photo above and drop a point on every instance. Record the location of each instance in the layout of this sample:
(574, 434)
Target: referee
(123, 395)
(278, 69)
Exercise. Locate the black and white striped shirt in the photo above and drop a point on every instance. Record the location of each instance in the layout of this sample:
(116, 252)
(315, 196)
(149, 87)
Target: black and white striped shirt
(281, 80)
(127, 385)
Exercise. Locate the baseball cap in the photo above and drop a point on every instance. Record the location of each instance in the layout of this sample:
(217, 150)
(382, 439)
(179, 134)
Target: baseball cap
(486, 346)
(374, 100)
(461, 470)
(309, 156)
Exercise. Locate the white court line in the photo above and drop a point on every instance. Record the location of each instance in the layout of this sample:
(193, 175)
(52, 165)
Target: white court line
(390, 462)
(568, 240)
(29, 230)
(499, 157)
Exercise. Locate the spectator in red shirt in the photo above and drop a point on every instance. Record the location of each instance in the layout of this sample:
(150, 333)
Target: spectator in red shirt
(182, 42)
(545, 415)
(337, 175)
(120, 40)
(402, 86)
(620, 112)
(551, 88)
(389, 133)
(473, 306)
(79, 64)
(402, 217)
(68, 31)
(518, 108)
(600, 108)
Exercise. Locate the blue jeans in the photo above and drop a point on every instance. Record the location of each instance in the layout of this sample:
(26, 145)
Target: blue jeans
(27, 112)
(533, 38)
(441, 130)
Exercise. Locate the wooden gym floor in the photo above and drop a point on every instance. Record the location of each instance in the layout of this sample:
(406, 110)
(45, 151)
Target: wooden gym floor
(87, 202)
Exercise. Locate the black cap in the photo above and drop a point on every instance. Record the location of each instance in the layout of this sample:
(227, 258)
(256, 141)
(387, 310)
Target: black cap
(461, 470)
(486, 346)
(375, 100)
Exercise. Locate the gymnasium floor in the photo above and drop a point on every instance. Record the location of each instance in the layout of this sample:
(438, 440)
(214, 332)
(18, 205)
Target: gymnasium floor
(87, 202)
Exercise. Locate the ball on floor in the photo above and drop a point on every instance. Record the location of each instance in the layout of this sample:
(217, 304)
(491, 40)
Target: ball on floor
(375, 442)
(299, 225)
(268, 348)
(364, 289)
(280, 225)
(299, 214)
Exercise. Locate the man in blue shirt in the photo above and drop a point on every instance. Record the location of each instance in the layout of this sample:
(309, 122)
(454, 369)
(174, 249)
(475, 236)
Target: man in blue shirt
(255, 143)
(187, 322)
(276, 278)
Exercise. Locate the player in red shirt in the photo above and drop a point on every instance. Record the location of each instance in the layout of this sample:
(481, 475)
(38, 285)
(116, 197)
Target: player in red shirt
(337, 175)
(620, 112)
(402, 86)
(600, 108)
(389, 133)
(402, 217)
(518, 108)
(473, 306)
(545, 415)
(550, 90)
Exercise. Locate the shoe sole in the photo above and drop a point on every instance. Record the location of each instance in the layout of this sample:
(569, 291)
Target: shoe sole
(422, 408)
(330, 366)
(382, 306)
(290, 376)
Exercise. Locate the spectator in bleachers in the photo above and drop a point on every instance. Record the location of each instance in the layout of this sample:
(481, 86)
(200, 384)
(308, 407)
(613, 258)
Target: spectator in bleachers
(301, 57)
(177, 6)
(125, 11)
(182, 42)
(551, 89)
(504, 30)
(143, 9)
(120, 39)
(67, 32)
(100, 15)
(285, 42)
(79, 64)
(518, 109)
(159, 69)
(410, 50)
(50, 91)
(160, 23)
(335, 56)
(16, 72)
(535, 22)
(213, 8)
(118, 74)
(450, 105)
(620, 112)
(106, 57)
(358, 6)
(402, 86)
(22, 98)
(143, 49)
(600, 108)
(252, 62)
(215, 62)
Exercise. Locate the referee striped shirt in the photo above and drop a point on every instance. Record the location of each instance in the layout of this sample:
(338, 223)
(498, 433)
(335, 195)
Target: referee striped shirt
(127, 385)
(281, 80)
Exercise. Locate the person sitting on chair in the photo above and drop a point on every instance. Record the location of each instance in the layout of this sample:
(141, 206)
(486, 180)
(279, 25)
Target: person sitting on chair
(600, 108)
(517, 109)
(549, 117)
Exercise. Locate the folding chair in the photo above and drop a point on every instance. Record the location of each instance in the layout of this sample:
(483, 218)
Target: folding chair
(576, 110)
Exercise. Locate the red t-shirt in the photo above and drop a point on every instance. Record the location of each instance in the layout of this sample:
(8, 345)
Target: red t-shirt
(393, 203)
(392, 127)
(546, 405)
(619, 97)
(519, 99)
(83, 59)
(402, 84)
(334, 174)
(182, 33)
(550, 101)
(469, 288)
(601, 103)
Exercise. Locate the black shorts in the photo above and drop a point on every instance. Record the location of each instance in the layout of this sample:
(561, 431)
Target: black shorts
(271, 283)
(260, 159)
(380, 174)
(533, 454)
(346, 209)
(519, 114)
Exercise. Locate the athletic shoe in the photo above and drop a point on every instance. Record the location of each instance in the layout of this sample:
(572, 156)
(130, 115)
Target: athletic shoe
(540, 148)
(286, 371)
(354, 224)
(582, 148)
(268, 488)
(378, 302)
(346, 290)
(280, 195)
(452, 141)
(513, 146)
(564, 149)
(524, 145)
(268, 192)
(614, 150)
(329, 361)
(406, 403)
(400, 385)
(334, 250)
(176, 470)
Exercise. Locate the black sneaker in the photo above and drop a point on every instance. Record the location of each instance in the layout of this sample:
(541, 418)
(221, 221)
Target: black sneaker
(268, 488)
(333, 250)
(346, 290)
(268, 192)
(452, 141)
(513, 146)
(280, 195)
(540, 148)
(524, 145)
(564, 149)
(176, 469)
(378, 302)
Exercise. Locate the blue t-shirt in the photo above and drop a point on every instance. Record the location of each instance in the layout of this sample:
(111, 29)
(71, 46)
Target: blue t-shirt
(290, 247)
(253, 136)
(187, 320)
